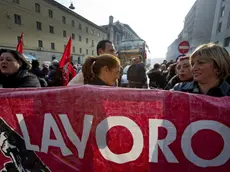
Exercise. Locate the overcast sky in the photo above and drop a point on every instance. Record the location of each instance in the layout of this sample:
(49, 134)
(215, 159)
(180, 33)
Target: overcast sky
(158, 22)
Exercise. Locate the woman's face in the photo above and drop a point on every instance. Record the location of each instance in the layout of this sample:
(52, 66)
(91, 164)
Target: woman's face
(8, 64)
(184, 70)
(111, 75)
(203, 69)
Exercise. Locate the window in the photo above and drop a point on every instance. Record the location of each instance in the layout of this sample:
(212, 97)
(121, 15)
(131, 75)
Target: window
(228, 20)
(222, 11)
(92, 52)
(219, 27)
(52, 46)
(50, 13)
(63, 20)
(51, 29)
(64, 33)
(73, 36)
(17, 19)
(80, 50)
(226, 42)
(40, 43)
(64, 47)
(87, 40)
(39, 25)
(37, 8)
(18, 37)
(92, 43)
(87, 30)
(79, 38)
(73, 23)
(98, 34)
(16, 1)
(73, 49)
(79, 60)
(92, 31)
(87, 51)
(79, 26)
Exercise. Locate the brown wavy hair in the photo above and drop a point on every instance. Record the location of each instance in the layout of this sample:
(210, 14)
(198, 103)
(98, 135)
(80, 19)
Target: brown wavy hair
(93, 65)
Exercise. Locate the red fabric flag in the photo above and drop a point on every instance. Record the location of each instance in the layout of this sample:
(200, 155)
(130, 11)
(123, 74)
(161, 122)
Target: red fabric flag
(68, 71)
(20, 44)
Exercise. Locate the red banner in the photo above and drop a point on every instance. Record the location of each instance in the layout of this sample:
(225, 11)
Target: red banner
(88, 128)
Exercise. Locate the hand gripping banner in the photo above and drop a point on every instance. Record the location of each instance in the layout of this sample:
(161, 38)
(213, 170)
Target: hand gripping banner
(89, 128)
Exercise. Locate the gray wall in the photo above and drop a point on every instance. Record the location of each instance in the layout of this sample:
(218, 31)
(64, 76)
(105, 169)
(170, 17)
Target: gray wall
(225, 29)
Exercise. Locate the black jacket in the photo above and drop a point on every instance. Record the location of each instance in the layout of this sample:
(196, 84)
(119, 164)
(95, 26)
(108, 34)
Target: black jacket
(192, 87)
(97, 81)
(172, 82)
(137, 73)
(157, 80)
(21, 79)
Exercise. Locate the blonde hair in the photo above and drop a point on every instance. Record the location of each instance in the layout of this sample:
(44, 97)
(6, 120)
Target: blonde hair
(218, 54)
(93, 65)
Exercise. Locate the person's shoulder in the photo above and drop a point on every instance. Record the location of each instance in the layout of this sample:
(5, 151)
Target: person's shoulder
(183, 86)
(78, 79)
(30, 80)
(141, 65)
(225, 88)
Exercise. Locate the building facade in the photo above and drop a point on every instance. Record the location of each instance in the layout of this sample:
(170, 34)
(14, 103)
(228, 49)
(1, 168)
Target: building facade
(47, 26)
(198, 23)
(197, 28)
(173, 52)
(118, 32)
(221, 24)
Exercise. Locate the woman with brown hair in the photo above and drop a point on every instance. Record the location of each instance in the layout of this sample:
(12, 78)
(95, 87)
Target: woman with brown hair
(183, 70)
(101, 70)
(14, 71)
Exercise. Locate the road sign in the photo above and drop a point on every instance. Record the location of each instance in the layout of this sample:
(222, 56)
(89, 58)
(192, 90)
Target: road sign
(184, 47)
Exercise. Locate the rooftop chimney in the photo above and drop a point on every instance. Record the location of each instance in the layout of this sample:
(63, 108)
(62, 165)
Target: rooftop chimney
(110, 20)
(71, 6)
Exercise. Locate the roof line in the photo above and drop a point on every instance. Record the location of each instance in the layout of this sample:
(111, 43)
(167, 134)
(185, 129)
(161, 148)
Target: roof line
(62, 7)
(132, 30)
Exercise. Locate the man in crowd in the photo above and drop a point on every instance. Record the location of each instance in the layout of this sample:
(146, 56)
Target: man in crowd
(136, 74)
(103, 47)
(156, 78)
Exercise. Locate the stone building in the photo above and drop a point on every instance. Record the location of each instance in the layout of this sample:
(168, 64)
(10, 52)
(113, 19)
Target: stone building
(118, 32)
(47, 26)
(221, 24)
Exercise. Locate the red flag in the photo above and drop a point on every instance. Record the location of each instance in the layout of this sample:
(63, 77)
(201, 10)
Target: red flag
(68, 71)
(20, 44)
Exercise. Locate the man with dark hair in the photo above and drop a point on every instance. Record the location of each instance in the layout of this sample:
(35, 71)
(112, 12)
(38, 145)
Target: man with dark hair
(155, 77)
(136, 74)
(103, 47)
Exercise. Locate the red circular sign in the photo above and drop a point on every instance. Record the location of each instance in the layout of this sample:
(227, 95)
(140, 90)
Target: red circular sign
(184, 47)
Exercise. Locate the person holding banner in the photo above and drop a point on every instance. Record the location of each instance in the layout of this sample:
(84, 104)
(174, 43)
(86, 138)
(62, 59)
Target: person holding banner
(101, 70)
(14, 71)
(210, 65)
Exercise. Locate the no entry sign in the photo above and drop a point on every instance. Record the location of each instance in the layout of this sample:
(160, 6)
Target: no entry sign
(184, 47)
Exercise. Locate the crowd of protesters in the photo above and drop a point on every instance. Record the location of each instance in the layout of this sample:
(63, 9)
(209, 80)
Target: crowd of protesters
(205, 71)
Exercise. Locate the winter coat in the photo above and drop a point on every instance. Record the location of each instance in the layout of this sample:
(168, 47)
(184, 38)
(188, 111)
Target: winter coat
(223, 89)
(21, 79)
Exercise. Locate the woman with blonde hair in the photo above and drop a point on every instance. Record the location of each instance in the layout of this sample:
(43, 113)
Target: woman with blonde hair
(101, 70)
(210, 65)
